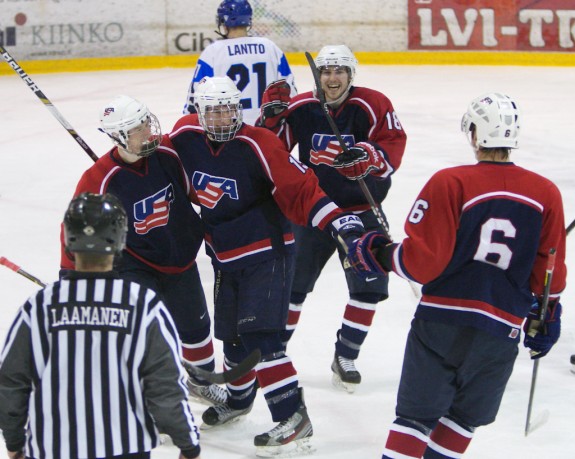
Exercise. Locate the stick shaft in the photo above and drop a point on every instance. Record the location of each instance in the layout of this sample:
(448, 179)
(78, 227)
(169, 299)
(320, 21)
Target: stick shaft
(542, 313)
(14, 267)
(36, 90)
(570, 227)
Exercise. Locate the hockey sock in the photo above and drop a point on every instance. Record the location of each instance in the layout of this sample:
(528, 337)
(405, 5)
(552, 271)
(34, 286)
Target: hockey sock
(449, 440)
(357, 320)
(278, 380)
(198, 349)
(294, 313)
(276, 374)
(407, 439)
(242, 391)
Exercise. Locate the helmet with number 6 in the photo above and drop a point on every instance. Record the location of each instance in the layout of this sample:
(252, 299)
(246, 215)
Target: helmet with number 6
(131, 126)
(95, 223)
(495, 119)
(234, 13)
(217, 102)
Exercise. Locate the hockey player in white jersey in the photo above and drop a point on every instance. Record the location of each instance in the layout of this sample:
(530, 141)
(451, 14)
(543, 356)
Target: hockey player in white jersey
(251, 62)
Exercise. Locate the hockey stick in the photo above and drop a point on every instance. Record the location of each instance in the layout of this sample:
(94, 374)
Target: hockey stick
(372, 204)
(539, 328)
(570, 227)
(36, 90)
(232, 374)
(14, 267)
(241, 369)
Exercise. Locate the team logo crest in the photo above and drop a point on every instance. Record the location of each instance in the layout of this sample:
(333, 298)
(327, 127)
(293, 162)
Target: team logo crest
(153, 211)
(210, 189)
(324, 153)
(108, 111)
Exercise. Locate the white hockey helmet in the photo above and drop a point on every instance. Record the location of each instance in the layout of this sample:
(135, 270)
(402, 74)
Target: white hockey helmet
(217, 102)
(131, 126)
(496, 120)
(337, 55)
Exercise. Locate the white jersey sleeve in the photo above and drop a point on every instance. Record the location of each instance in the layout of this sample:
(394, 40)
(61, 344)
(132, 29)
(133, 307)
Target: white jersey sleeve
(251, 62)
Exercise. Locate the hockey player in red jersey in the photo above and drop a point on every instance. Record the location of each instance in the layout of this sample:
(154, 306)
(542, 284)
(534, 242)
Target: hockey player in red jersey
(479, 239)
(369, 124)
(249, 188)
(165, 233)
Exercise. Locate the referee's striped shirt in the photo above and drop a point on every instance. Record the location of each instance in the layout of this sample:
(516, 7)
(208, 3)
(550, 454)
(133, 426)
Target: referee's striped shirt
(97, 358)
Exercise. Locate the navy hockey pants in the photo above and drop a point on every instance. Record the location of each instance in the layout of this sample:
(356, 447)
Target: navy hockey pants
(182, 293)
(453, 370)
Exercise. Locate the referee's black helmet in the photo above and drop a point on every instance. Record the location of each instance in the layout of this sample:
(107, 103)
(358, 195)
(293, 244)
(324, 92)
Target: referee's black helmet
(95, 223)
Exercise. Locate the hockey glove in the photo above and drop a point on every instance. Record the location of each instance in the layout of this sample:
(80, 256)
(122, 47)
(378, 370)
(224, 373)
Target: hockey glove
(275, 101)
(362, 254)
(332, 149)
(346, 228)
(540, 337)
(361, 160)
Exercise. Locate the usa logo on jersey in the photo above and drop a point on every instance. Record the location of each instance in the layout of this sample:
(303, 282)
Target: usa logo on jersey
(210, 189)
(153, 211)
(325, 147)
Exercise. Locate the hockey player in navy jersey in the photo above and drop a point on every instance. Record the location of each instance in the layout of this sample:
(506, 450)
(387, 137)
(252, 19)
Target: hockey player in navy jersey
(369, 124)
(478, 239)
(165, 233)
(251, 62)
(249, 188)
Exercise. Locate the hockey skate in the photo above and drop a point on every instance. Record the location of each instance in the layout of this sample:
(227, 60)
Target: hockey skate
(289, 438)
(221, 414)
(210, 394)
(345, 375)
(573, 364)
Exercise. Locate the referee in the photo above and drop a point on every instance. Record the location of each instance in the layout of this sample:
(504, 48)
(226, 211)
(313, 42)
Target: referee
(91, 367)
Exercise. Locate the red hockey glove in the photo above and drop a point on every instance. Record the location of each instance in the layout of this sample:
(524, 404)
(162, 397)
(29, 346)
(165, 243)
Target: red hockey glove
(361, 160)
(540, 338)
(332, 149)
(275, 101)
(362, 254)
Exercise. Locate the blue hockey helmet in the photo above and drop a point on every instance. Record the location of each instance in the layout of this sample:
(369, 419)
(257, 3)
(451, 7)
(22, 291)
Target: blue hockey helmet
(234, 13)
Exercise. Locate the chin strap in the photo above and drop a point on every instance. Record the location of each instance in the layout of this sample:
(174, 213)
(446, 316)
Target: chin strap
(114, 139)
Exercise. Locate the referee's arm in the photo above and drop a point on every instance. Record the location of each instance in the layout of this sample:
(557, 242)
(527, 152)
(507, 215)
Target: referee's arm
(166, 392)
(15, 384)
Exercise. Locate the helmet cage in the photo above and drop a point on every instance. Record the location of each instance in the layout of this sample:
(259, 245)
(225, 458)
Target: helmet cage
(131, 126)
(217, 102)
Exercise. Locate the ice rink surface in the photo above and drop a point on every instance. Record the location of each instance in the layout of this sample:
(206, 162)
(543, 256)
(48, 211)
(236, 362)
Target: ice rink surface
(40, 164)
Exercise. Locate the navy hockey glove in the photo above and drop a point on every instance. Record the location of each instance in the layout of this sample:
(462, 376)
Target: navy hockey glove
(346, 229)
(362, 254)
(275, 101)
(540, 337)
(361, 160)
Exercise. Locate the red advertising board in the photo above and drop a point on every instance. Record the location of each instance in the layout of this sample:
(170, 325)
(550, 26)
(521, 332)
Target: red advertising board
(521, 25)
